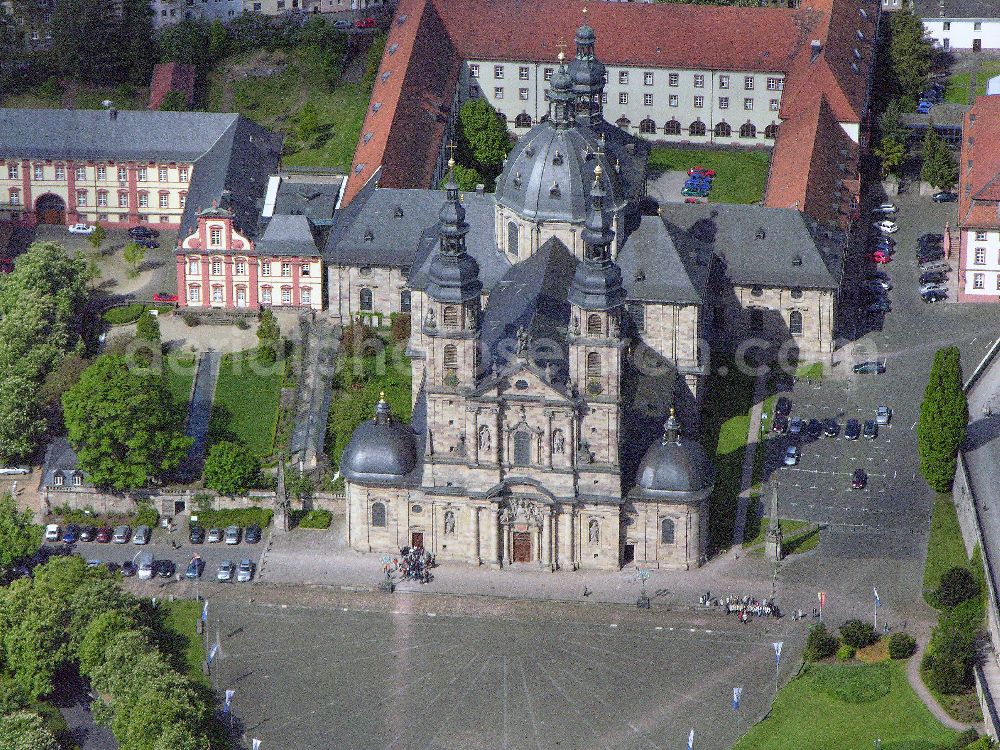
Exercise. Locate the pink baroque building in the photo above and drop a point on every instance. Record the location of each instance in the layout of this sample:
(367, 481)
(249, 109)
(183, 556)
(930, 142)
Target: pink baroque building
(220, 266)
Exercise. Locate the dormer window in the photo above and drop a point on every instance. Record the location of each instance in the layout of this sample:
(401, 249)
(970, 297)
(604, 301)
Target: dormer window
(557, 159)
(554, 190)
(215, 236)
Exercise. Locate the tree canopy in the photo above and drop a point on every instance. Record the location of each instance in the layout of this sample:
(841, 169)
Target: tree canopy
(123, 425)
(19, 537)
(944, 414)
(482, 139)
(230, 468)
(939, 168)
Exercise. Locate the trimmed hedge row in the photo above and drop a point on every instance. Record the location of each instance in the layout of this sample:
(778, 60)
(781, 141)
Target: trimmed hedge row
(234, 517)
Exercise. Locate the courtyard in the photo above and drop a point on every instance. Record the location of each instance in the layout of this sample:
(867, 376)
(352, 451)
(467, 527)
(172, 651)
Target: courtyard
(740, 174)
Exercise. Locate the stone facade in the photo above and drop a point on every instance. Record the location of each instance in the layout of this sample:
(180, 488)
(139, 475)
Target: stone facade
(368, 291)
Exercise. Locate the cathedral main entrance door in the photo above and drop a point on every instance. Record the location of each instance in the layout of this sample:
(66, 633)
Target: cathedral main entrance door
(522, 546)
(417, 539)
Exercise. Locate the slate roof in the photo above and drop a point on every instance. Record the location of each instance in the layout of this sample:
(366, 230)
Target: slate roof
(315, 199)
(660, 262)
(759, 246)
(986, 9)
(60, 457)
(287, 235)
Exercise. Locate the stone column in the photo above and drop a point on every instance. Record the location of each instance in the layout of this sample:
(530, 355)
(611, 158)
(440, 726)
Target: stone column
(494, 532)
(546, 552)
(475, 439)
(548, 433)
(539, 555)
(477, 542)
(506, 544)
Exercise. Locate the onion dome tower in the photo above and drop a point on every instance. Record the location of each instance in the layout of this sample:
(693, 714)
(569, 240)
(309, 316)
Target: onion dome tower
(597, 283)
(588, 74)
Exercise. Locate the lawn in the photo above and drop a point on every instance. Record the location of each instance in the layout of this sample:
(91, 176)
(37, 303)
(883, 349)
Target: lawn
(245, 409)
(87, 97)
(275, 102)
(179, 371)
(726, 420)
(181, 641)
(945, 548)
(957, 90)
(740, 175)
(848, 707)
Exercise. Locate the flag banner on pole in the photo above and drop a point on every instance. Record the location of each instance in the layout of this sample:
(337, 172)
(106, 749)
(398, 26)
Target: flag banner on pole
(822, 599)
(878, 602)
(212, 651)
(691, 740)
(737, 692)
(256, 744)
(204, 612)
(229, 699)
(777, 651)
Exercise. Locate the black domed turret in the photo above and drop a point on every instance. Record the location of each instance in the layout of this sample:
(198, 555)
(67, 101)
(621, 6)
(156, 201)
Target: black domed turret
(597, 283)
(675, 468)
(588, 74)
(562, 100)
(381, 451)
(454, 274)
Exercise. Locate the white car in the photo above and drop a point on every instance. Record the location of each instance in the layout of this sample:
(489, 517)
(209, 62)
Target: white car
(53, 533)
(885, 209)
(924, 288)
(244, 572)
(82, 229)
(791, 455)
(883, 415)
(885, 226)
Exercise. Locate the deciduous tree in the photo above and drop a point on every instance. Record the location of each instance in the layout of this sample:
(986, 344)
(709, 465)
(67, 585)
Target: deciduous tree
(22, 424)
(133, 254)
(482, 139)
(25, 730)
(230, 468)
(19, 537)
(944, 415)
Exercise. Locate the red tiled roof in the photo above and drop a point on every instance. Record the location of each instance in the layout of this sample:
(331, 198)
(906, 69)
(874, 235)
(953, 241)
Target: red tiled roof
(169, 77)
(979, 186)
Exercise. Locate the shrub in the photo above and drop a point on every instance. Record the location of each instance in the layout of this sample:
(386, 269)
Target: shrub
(148, 328)
(355, 337)
(957, 585)
(147, 515)
(399, 327)
(845, 652)
(901, 645)
(315, 519)
(235, 517)
(242, 324)
(190, 319)
(820, 644)
(268, 337)
(230, 468)
(858, 633)
(118, 316)
(965, 739)
(948, 661)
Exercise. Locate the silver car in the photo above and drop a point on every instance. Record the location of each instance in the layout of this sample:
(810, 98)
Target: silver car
(141, 535)
(883, 415)
(214, 535)
(121, 534)
(233, 534)
(924, 288)
(225, 572)
(245, 570)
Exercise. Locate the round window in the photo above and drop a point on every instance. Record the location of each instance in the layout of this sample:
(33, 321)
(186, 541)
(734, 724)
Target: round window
(521, 385)
(756, 291)
(417, 509)
(796, 294)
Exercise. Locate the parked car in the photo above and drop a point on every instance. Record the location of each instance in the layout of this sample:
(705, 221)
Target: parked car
(343, 23)
(791, 455)
(877, 287)
(194, 569)
(141, 535)
(141, 233)
(147, 242)
(701, 170)
(146, 566)
(93, 563)
(129, 569)
(783, 406)
(71, 535)
(878, 306)
(53, 532)
(165, 568)
(233, 535)
(871, 367)
(795, 426)
(87, 533)
(885, 226)
(852, 431)
(692, 200)
(885, 209)
(927, 254)
(779, 424)
(925, 288)
(253, 534)
(112, 566)
(924, 107)
(692, 192)
(883, 415)
(935, 296)
(935, 265)
(214, 535)
(164, 297)
(876, 274)
(103, 535)
(831, 427)
(814, 428)
(6, 265)
(121, 535)
(870, 431)
(944, 197)
(82, 229)
(196, 535)
(880, 256)
(365, 23)
(245, 570)
(859, 479)
(225, 571)
(933, 277)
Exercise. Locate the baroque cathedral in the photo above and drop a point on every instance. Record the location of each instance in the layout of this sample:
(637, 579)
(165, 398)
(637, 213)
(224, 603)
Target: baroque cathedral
(543, 431)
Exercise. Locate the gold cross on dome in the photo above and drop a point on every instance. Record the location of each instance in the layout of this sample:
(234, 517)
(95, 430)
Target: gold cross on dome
(562, 45)
(451, 158)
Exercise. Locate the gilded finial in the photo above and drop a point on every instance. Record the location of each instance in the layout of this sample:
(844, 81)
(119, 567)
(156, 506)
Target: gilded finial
(381, 397)
(598, 172)
(561, 56)
(673, 412)
(451, 162)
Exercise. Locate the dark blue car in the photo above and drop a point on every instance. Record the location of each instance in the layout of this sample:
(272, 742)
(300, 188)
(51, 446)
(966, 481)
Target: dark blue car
(71, 534)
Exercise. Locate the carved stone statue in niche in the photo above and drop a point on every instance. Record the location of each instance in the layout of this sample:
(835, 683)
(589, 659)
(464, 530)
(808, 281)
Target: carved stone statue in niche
(449, 522)
(595, 531)
(576, 325)
(485, 439)
(461, 445)
(558, 442)
(429, 319)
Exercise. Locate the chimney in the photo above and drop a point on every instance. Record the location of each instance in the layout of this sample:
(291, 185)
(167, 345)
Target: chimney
(480, 189)
(114, 114)
(817, 47)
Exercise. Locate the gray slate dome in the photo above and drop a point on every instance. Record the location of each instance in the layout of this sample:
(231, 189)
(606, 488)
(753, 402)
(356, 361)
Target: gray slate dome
(548, 174)
(675, 468)
(381, 451)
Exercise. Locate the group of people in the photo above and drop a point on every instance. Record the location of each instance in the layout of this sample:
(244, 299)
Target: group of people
(413, 564)
(747, 607)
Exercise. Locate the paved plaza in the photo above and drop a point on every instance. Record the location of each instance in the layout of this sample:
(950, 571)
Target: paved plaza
(531, 676)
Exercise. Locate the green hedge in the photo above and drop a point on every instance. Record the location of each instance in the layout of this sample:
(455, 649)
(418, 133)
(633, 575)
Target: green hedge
(313, 519)
(148, 516)
(235, 517)
(118, 316)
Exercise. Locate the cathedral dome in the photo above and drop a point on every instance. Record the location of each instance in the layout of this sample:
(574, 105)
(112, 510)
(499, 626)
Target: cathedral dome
(675, 467)
(548, 174)
(381, 451)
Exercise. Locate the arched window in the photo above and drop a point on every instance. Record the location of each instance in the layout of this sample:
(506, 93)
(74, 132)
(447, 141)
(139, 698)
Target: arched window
(723, 130)
(748, 130)
(404, 301)
(450, 316)
(771, 131)
(523, 120)
(696, 128)
(512, 237)
(647, 126)
(378, 515)
(795, 323)
(522, 448)
(367, 300)
(623, 122)
(450, 357)
(594, 366)
(667, 531)
(594, 327)
(672, 128)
